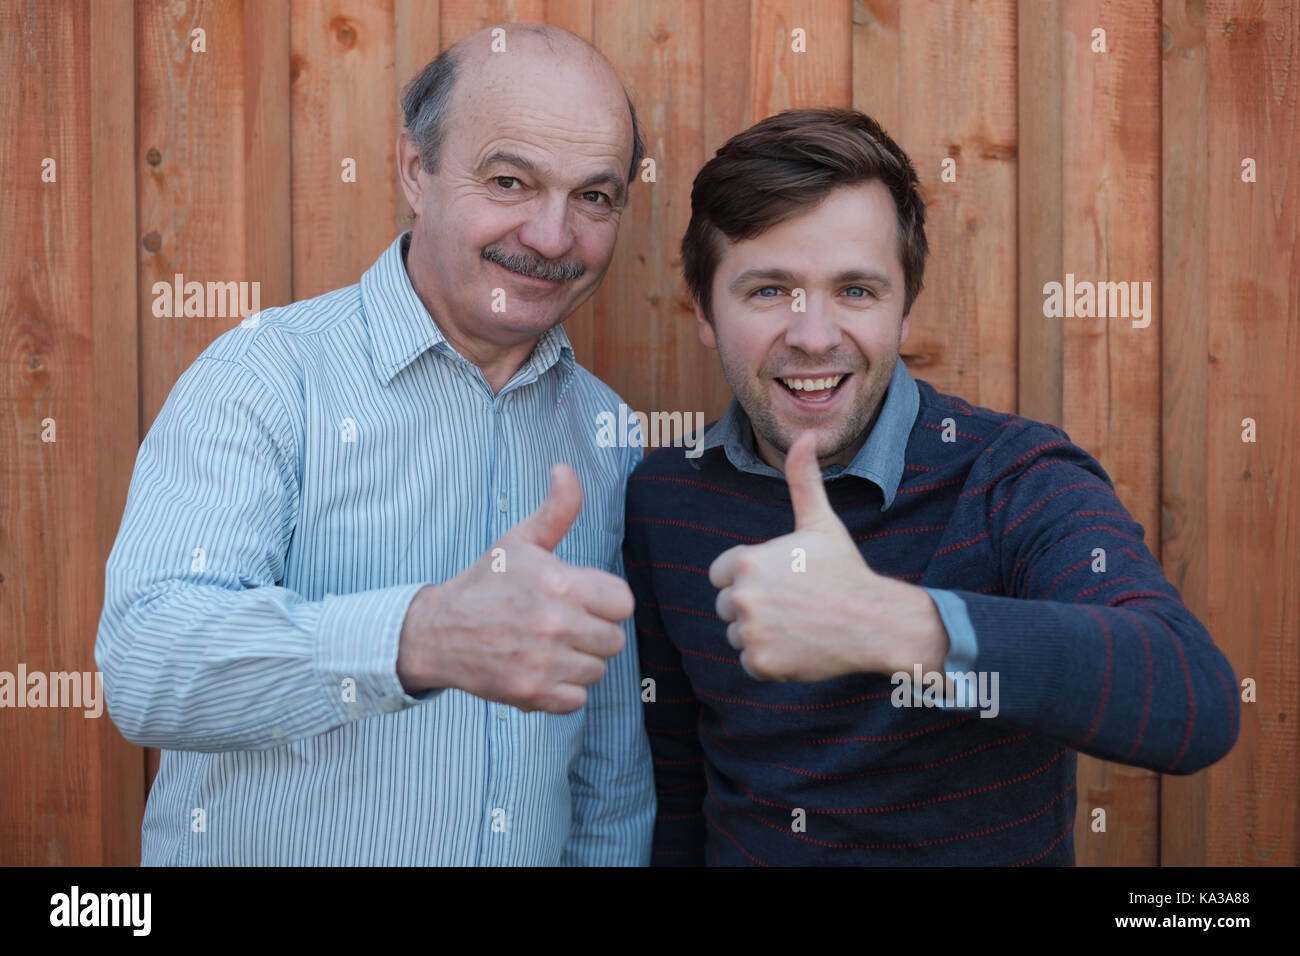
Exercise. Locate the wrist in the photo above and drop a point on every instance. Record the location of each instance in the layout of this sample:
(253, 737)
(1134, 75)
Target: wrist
(920, 637)
(418, 660)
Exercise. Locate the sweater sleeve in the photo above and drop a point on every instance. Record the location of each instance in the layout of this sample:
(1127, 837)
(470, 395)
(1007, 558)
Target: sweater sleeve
(1092, 645)
(671, 718)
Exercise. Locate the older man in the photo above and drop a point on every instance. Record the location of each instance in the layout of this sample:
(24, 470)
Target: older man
(334, 600)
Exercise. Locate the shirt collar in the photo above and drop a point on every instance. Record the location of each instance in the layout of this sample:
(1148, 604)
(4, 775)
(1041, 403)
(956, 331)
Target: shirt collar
(880, 460)
(401, 328)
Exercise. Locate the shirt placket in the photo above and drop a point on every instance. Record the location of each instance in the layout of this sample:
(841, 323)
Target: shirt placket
(502, 785)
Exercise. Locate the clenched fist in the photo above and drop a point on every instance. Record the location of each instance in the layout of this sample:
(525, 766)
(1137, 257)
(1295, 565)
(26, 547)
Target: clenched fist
(806, 607)
(536, 636)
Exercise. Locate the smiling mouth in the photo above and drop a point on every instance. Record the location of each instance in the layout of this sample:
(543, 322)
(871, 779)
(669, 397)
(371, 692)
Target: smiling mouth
(814, 389)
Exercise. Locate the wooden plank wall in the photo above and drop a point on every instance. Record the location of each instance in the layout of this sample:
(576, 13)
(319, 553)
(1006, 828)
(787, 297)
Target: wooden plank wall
(1122, 166)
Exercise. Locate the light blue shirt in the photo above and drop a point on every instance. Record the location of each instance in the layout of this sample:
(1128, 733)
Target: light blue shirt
(308, 474)
(880, 461)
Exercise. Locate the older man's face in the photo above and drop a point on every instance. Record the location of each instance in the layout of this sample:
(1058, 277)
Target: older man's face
(808, 320)
(520, 220)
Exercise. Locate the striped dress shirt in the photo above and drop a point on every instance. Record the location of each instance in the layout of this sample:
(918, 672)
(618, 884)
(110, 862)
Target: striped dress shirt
(308, 474)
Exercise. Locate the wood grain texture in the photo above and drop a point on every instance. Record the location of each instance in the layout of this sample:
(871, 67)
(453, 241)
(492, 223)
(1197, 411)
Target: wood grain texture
(957, 101)
(1040, 85)
(1122, 166)
(54, 761)
(645, 344)
(1111, 397)
(342, 89)
(1232, 265)
(116, 379)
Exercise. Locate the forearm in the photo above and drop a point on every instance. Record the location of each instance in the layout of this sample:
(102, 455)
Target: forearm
(192, 666)
(1139, 683)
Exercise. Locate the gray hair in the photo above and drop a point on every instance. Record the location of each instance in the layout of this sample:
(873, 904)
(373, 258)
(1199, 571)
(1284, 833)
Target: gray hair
(427, 99)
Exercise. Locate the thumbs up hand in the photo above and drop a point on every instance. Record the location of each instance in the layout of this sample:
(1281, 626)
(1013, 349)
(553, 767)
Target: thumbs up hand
(519, 626)
(806, 606)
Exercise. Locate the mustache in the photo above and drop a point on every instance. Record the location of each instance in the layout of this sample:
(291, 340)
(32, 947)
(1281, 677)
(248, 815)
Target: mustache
(533, 266)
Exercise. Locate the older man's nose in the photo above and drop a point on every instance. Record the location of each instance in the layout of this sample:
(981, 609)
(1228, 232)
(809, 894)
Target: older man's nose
(548, 231)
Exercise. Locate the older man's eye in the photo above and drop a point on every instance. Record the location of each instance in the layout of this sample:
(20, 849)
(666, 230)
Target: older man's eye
(597, 197)
(505, 182)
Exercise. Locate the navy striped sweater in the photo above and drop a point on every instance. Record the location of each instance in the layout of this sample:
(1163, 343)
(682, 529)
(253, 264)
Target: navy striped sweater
(1110, 663)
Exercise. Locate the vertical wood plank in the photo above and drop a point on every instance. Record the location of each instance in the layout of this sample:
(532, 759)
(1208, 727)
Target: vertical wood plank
(645, 345)
(583, 327)
(116, 379)
(268, 232)
(877, 82)
(958, 102)
(1231, 520)
(1184, 374)
(1040, 87)
(460, 18)
(1111, 220)
(192, 201)
(417, 35)
(191, 166)
(54, 761)
(342, 89)
(782, 78)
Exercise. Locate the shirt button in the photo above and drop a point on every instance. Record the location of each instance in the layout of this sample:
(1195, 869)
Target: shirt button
(502, 711)
(503, 502)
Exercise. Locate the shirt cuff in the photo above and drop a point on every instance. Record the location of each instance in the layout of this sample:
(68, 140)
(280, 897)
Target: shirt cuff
(962, 646)
(356, 651)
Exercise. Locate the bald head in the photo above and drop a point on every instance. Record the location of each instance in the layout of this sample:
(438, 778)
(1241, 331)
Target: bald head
(516, 66)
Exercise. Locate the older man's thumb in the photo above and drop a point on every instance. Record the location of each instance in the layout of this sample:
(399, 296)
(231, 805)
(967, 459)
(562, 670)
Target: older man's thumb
(807, 492)
(547, 526)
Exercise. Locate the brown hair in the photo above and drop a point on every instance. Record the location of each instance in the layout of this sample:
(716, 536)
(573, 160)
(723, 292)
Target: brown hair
(788, 163)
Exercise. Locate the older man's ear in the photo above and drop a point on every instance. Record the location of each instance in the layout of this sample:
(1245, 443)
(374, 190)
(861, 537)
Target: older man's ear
(409, 167)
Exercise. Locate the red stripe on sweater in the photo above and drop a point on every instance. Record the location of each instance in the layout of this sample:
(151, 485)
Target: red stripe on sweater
(1105, 679)
(940, 428)
(1104, 584)
(667, 566)
(717, 826)
(938, 841)
(947, 483)
(944, 798)
(673, 523)
(847, 702)
(1048, 497)
(919, 529)
(1147, 682)
(876, 739)
(907, 768)
(1069, 825)
(1012, 490)
(1068, 571)
(1016, 464)
(697, 484)
(1191, 696)
(962, 544)
(1057, 544)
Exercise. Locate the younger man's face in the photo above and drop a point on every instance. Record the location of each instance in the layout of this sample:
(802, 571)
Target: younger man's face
(825, 368)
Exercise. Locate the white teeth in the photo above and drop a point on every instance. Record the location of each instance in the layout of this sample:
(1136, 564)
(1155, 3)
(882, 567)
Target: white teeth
(812, 384)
